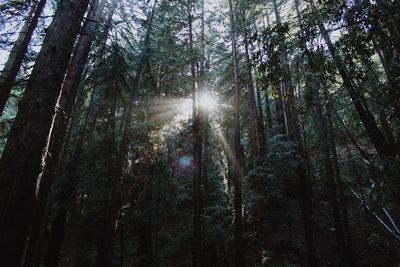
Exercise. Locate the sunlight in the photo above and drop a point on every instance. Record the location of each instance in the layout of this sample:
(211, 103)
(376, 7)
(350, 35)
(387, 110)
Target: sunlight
(184, 110)
(208, 102)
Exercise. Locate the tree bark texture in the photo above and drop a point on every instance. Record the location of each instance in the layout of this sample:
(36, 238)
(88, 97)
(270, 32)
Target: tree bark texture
(21, 159)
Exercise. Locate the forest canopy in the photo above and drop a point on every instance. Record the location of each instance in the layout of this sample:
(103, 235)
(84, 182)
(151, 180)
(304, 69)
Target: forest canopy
(199, 133)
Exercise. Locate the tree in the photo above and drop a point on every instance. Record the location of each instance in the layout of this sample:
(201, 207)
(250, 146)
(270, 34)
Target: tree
(21, 159)
(237, 159)
(17, 53)
(60, 121)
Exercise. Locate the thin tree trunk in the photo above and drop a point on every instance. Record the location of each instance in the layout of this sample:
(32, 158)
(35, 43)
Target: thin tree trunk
(254, 123)
(237, 161)
(281, 114)
(205, 123)
(104, 251)
(112, 199)
(342, 205)
(306, 189)
(17, 53)
(261, 125)
(21, 159)
(268, 120)
(197, 153)
(67, 187)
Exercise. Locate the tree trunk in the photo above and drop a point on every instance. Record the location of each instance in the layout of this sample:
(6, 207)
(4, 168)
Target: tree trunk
(14, 61)
(112, 199)
(197, 152)
(306, 189)
(205, 121)
(68, 186)
(261, 125)
(254, 123)
(56, 237)
(145, 242)
(59, 127)
(237, 160)
(268, 117)
(281, 115)
(20, 162)
(105, 247)
(342, 206)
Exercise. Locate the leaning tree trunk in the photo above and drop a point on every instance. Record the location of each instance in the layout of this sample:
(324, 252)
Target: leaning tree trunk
(65, 105)
(21, 159)
(14, 61)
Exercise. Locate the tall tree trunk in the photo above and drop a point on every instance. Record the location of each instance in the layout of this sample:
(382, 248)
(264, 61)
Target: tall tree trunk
(322, 126)
(338, 179)
(205, 121)
(287, 89)
(268, 117)
(237, 161)
(197, 151)
(281, 114)
(306, 187)
(254, 123)
(20, 162)
(61, 119)
(145, 242)
(104, 250)
(112, 199)
(261, 125)
(17, 53)
(67, 187)
(264, 87)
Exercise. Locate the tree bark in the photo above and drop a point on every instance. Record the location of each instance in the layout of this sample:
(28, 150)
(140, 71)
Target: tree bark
(197, 114)
(61, 119)
(237, 161)
(254, 120)
(205, 121)
(20, 162)
(18, 51)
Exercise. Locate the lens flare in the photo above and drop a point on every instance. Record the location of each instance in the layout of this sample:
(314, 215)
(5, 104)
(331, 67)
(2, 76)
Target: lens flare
(185, 161)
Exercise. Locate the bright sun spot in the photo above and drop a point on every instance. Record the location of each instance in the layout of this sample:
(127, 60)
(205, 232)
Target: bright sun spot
(205, 101)
(208, 102)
